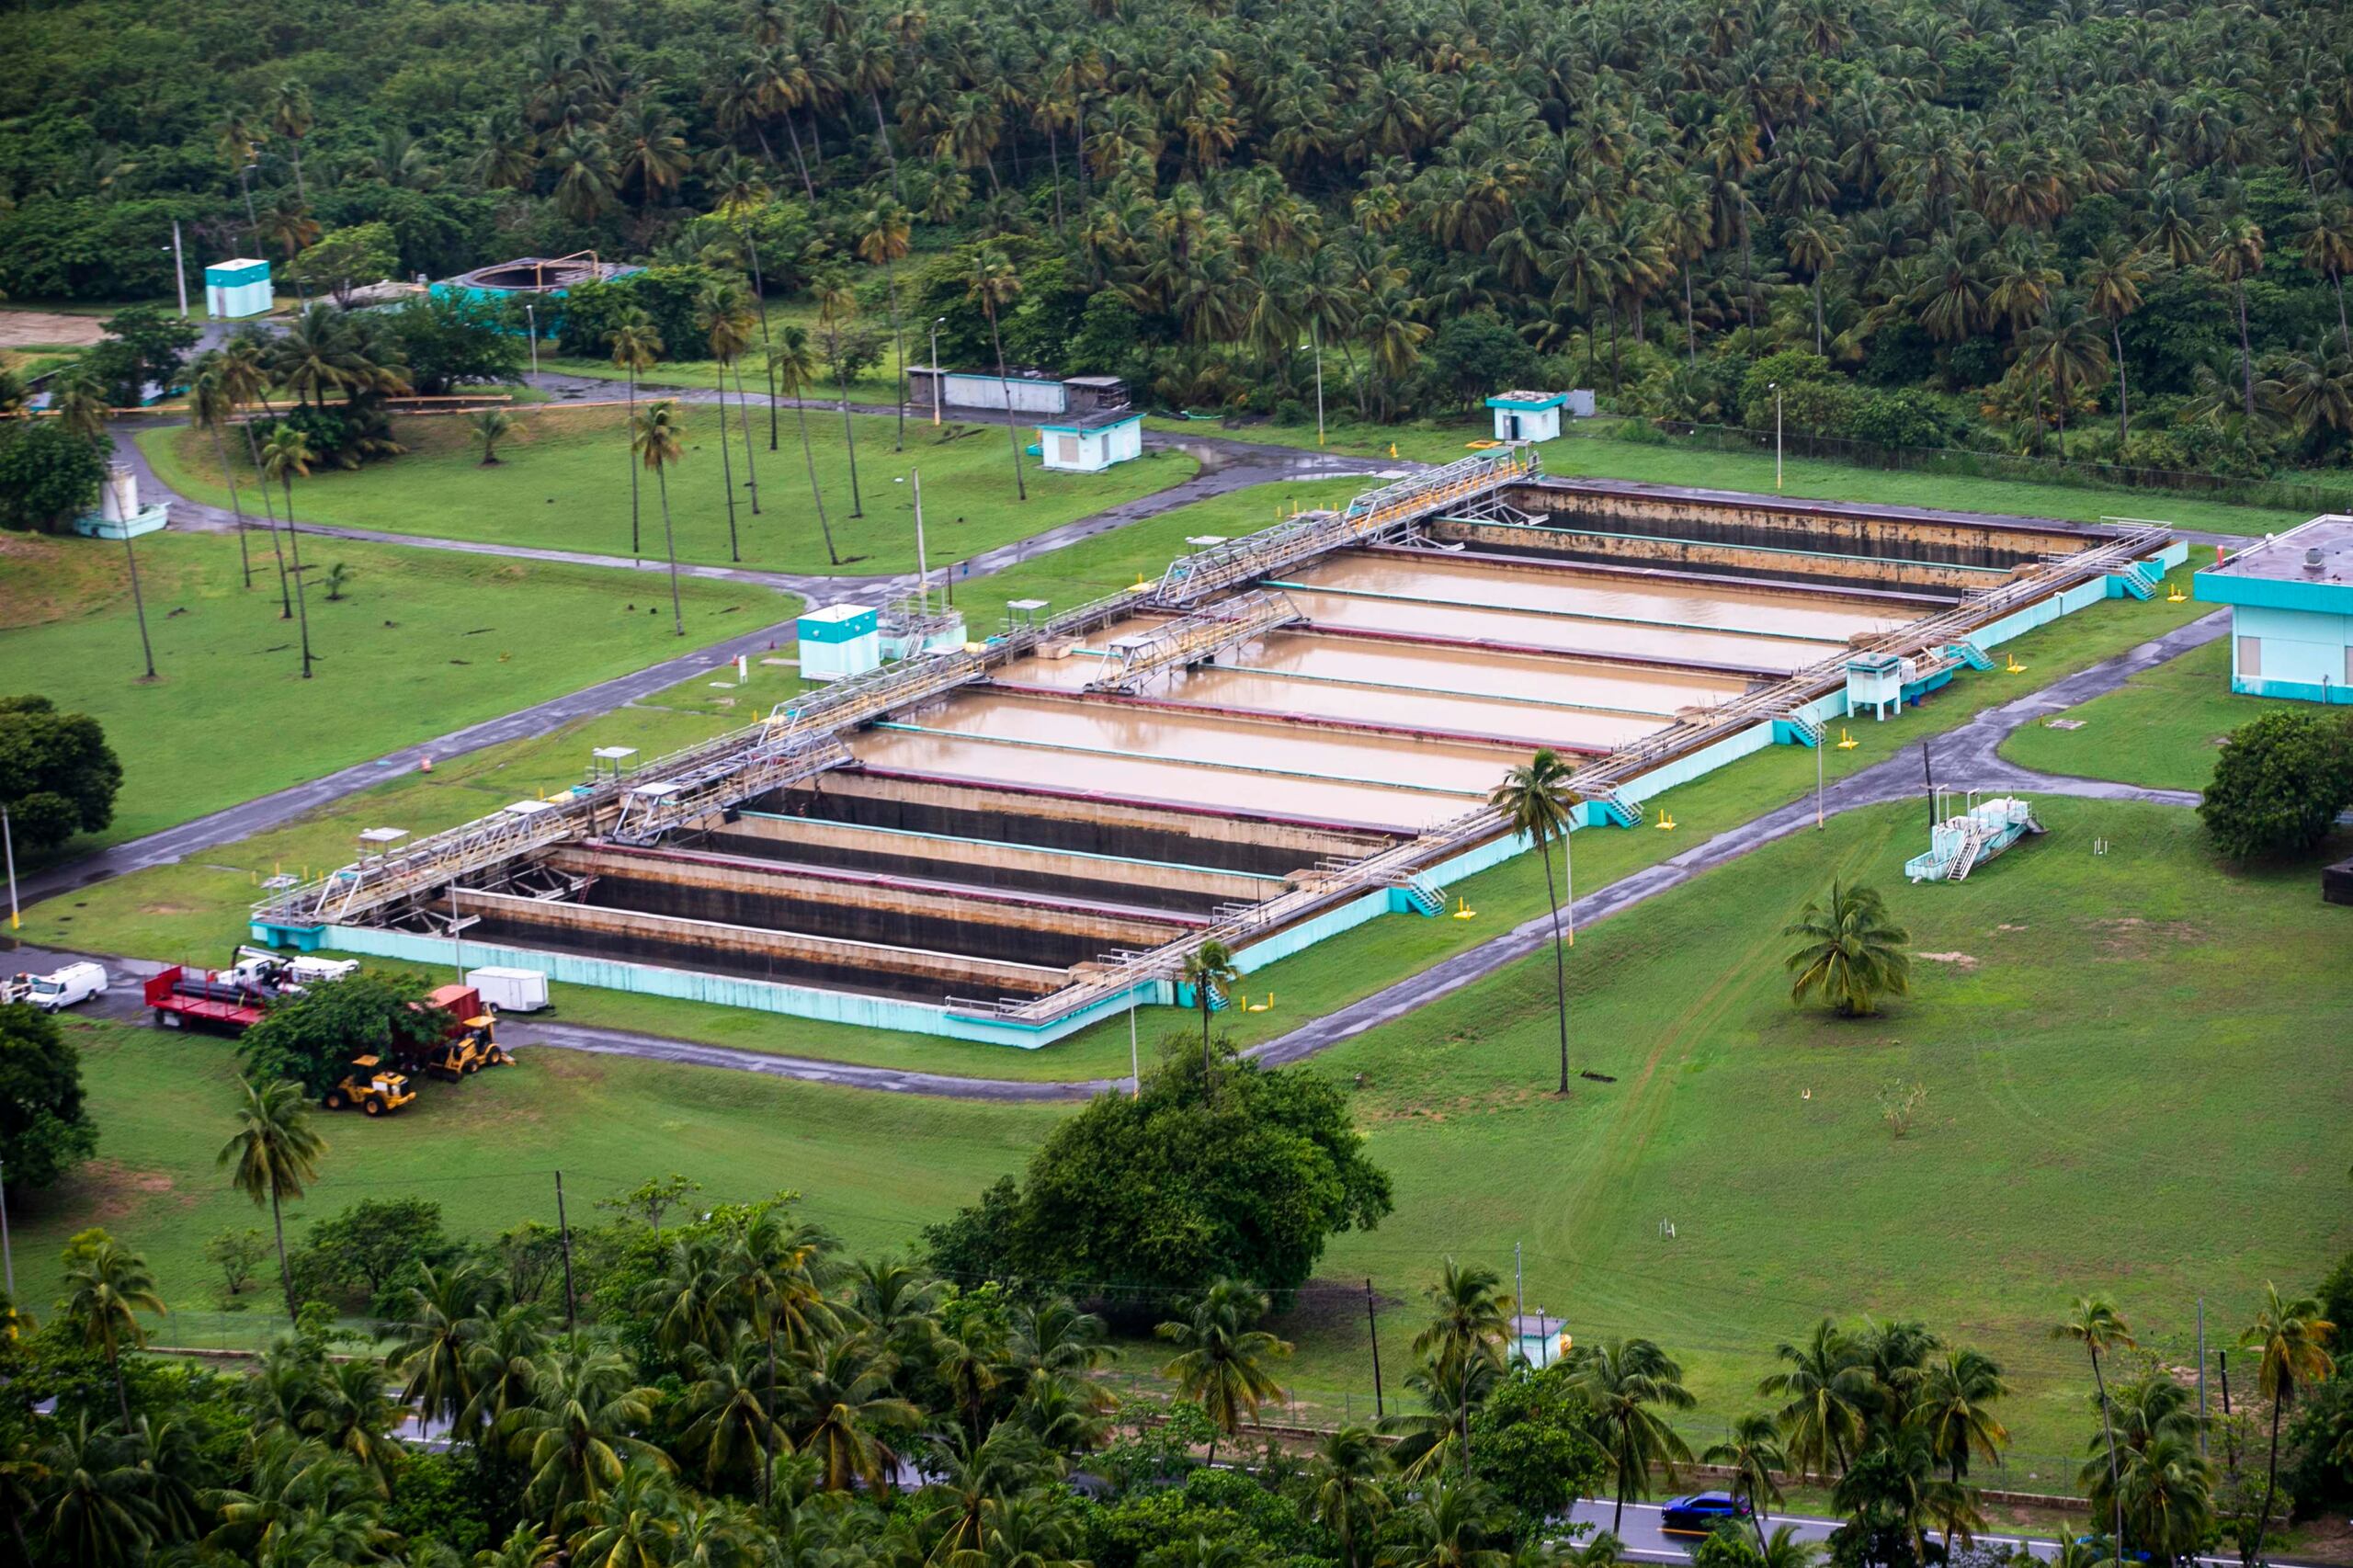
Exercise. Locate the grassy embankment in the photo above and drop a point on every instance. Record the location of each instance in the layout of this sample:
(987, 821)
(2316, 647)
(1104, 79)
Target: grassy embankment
(562, 482)
(2163, 729)
(420, 644)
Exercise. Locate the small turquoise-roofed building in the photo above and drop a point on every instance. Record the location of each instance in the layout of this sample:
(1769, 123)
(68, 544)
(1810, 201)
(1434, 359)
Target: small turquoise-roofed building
(237, 289)
(1527, 415)
(2291, 612)
(838, 640)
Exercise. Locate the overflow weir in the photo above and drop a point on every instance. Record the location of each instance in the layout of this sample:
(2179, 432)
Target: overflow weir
(1285, 735)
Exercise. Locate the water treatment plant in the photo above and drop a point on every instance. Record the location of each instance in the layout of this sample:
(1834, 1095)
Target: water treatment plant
(1284, 736)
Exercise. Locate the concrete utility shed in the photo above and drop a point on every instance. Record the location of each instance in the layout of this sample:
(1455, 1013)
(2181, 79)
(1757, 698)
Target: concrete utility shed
(236, 289)
(1091, 442)
(1527, 415)
(2291, 612)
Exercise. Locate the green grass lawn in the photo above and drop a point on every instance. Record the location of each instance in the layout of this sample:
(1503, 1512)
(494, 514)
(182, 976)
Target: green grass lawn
(486, 1151)
(421, 643)
(562, 482)
(1592, 450)
(2163, 729)
(2117, 1098)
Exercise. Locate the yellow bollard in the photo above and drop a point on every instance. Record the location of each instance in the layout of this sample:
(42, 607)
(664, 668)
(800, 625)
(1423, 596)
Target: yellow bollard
(2014, 667)
(1845, 741)
(1665, 822)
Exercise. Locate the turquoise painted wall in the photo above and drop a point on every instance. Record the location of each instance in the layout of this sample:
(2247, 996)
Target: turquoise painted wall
(2304, 654)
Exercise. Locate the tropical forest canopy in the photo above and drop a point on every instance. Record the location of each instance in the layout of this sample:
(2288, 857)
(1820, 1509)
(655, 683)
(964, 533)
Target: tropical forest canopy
(2115, 228)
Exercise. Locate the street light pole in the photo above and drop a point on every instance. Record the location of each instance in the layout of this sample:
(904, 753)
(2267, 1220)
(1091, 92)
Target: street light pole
(9, 844)
(7, 1255)
(179, 267)
(1776, 437)
(532, 317)
(938, 377)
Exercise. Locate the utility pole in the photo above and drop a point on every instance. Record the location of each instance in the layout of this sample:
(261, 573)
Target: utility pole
(1373, 1319)
(923, 565)
(1929, 773)
(7, 1256)
(1316, 330)
(531, 317)
(1821, 739)
(938, 376)
(1135, 1069)
(564, 1227)
(1776, 437)
(9, 844)
(458, 939)
(1518, 1282)
(179, 268)
(2201, 1377)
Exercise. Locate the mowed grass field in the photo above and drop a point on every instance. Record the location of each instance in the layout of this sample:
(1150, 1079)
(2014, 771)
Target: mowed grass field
(2115, 1098)
(562, 482)
(1592, 450)
(422, 642)
(2165, 728)
(486, 1151)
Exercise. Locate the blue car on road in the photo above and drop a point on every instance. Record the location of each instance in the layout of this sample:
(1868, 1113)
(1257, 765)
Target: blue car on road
(1701, 1512)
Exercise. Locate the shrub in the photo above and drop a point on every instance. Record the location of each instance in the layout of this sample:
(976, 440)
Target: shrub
(2279, 784)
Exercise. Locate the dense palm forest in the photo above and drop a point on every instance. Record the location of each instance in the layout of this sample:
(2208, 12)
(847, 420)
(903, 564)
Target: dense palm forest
(2118, 228)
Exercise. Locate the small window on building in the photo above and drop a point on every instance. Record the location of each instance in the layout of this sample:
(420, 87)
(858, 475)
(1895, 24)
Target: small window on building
(2250, 658)
(1066, 450)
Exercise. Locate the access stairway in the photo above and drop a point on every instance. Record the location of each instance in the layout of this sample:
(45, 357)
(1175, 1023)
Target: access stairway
(1965, 839)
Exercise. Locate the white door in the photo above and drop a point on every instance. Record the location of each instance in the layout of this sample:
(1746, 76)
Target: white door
(1066, 451)
(2250, 658)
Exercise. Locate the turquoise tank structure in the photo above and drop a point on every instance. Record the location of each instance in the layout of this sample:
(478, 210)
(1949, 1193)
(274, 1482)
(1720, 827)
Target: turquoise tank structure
(1965, 839)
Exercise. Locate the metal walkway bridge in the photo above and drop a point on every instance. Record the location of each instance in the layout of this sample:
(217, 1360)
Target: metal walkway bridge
(1192, 639)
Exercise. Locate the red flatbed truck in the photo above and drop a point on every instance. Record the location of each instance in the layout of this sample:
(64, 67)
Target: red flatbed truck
(181, 997)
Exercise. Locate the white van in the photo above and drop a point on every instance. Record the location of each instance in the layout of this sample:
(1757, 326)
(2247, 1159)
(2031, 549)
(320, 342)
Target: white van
(74, 983)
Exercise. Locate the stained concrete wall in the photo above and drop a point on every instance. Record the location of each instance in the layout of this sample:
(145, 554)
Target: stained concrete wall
(1718, 559)
(1073, 820)
(751, 953)
(986, 863)
(857, 908)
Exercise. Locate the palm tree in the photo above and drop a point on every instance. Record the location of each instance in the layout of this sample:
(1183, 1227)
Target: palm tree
(971, 1482)
(284, 455)
(636, 347)
(276, 1155)
(1211, 970)
(995, 285)
(1853, 952)
(882, 237)
(502, 1364)
(491, 427)
(287, 105)
(729, 1423)
(2167, 1491)
(93, 1507)
(2065, 349)
(715, 314)
(2234, 255)
(1895, 1484)
(1223, 1364)
(634, 1525)
(2096, 1325)
(106, 1287)
(654, 439)
(1450, 1524)
(2289, 1335)
(2113, 280)
(2328, 250)
(841, 1412)
(1533, 799)
(574, 1432)
(82, 409)
(446, 1320)
(1951, 1410)
(1469, 1324)
(1623, 1381)
(210, 406)
(836, 304)
(246, 379)
(1754, 1455)
(792, 364)
(1347, 1497)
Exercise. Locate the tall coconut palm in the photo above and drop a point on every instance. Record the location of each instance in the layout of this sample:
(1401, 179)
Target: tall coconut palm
(2235, 254)
(1533, 798)
(1953, 1410)
(2167, 1492)
(94, 1509)
(2113, 280)
(654, 439)
(1450, 1524)
(575, 1432)
(1223, 1363)
(2096, 1325)
(793, 363)
(995, 285)
(841, 1410)
(286, 454)
(637, 347)
(244, 375)
(288, 106)
(1754, 1455)
(2289, 1337)
(715, 314)
(81, 408)
(1211, 973)
(1853, 953)
(210, 406)
(2065, 349)
(1346, 1496)
(501, 1365)
(836, 304)
(2328, 250)
(1469, 1322)
(1626, 1382)
(729, 1424)
(884, 232)
(107, 1286)
(276, 1155)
